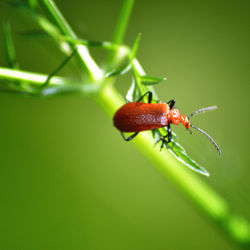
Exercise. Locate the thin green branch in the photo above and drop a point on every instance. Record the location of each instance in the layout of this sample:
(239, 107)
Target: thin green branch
(39, 79)
(57, 17)
(85, 59)
(120, 28)
(123, 21)
(57, 85)
(9, 46)
(58, 69)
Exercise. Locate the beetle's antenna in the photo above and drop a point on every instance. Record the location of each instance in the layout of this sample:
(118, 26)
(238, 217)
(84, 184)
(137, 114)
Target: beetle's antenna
(208, 136)
(202, 110)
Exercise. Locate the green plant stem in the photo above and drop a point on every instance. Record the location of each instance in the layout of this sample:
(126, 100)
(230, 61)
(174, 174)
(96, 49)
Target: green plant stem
(35, 78)
(123, 21)
(120, 28)
(65, 84)
(194, 189)
(83, 55)
(58, 18)
(9, 46)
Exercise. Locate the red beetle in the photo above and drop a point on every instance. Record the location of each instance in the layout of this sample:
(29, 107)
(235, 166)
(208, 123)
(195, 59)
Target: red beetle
(138, 116)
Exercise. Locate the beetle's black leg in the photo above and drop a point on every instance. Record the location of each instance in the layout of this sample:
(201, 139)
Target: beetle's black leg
(171, 103)
(150, 95)
(169, 136)
(130, 137)
(169, 133)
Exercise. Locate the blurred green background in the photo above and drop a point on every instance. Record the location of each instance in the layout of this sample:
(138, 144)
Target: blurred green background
(68, 180)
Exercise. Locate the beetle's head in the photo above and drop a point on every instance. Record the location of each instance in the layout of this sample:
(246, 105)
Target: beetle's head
(176, 117)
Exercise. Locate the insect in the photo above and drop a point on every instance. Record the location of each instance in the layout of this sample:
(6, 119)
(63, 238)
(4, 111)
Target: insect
(139, 116)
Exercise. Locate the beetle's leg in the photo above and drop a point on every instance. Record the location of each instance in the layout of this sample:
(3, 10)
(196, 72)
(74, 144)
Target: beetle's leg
(169, 136)
(150, 95)
(169, 133)
(171, 103)
(130, 137)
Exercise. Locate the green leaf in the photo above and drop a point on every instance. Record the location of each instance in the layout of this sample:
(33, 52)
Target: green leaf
(156, 135)
(103, 45)
(178, 151)
(137, 89)
(120, 70)
(135, 47)
(133, 93)
(96, 44)
(182, 156)
(150, 80)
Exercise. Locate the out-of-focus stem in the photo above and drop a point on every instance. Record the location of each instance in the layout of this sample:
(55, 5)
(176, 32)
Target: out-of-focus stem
(83, 54)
